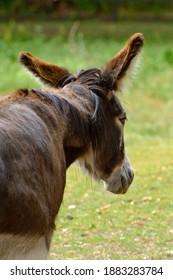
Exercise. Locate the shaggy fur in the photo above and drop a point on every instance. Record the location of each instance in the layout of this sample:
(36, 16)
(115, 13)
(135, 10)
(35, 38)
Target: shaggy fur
(44, 131)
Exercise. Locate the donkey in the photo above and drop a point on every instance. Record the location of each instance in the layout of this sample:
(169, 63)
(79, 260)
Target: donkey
(42, 132)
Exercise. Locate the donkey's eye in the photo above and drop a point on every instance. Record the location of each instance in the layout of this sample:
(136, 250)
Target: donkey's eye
(123, 118)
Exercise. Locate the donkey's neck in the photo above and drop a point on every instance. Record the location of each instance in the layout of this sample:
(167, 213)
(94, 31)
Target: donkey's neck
(74, 107)
(78, 125)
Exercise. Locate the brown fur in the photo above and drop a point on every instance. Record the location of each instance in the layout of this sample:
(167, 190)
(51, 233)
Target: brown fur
(44, 131)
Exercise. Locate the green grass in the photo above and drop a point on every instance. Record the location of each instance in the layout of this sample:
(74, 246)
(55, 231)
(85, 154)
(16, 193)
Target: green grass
(92, 223)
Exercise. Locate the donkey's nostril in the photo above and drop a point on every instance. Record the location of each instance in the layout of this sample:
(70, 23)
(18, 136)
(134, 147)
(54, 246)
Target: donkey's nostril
(131, 174)
(123, 180)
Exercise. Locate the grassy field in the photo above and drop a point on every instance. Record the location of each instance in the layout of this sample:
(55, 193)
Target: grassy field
(92, 223)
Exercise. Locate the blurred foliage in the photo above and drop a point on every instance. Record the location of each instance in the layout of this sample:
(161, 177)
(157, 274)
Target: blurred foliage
(76, 8)
(54, 5)
(148, 4)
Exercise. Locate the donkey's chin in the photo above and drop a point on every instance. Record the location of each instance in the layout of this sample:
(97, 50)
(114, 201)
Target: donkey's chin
(115, 188)
(119, 184)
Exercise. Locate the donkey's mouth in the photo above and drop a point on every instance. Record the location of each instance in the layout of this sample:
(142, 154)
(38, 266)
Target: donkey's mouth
(120, 183)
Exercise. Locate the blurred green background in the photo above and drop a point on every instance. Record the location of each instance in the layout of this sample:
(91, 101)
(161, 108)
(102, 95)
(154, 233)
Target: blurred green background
(73, 9)
(92, 223)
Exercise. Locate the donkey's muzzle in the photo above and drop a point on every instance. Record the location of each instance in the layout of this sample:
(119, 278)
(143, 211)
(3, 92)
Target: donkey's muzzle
(121, 179)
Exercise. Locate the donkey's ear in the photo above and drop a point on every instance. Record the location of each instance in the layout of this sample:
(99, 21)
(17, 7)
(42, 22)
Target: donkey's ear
(49, 74)
(125, 62)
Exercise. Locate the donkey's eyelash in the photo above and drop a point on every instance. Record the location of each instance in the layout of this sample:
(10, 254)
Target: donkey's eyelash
(123, 118)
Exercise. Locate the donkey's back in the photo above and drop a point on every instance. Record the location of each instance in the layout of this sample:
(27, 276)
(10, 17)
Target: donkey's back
(30, 167)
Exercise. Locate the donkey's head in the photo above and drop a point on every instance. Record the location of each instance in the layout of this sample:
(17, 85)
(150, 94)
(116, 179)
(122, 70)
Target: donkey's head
(105, 156)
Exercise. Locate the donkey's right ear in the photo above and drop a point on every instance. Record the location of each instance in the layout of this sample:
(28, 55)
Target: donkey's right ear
(49, 74)
(124, 63)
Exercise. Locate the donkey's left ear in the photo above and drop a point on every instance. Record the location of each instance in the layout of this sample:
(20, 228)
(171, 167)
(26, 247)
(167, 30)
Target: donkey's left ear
(125, 62)
(49, 74)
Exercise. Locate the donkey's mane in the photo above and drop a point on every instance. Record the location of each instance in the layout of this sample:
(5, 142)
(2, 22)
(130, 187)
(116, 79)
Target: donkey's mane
(98, 82)
(88, 126)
